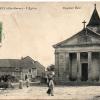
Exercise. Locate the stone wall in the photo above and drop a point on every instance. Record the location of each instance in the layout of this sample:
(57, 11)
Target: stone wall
(61, 66)
(95, 66)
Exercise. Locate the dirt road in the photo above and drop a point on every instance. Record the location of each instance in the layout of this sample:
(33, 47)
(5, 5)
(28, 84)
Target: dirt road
(61, 92)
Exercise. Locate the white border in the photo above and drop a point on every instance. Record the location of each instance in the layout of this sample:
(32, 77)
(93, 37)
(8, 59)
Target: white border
(49, 0)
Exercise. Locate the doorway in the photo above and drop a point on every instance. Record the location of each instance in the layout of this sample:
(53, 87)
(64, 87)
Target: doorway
(84, 71)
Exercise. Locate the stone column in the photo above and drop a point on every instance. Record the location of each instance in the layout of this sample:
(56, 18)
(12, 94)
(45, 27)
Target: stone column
(62, 66)
(67, 66)
(99, 68)
(78, 67)
(89, 66)
(57, 64)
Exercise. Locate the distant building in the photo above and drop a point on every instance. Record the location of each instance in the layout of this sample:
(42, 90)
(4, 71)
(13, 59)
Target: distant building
(40, 69)
(32, 68)
(28, 68)
(21, 68)
(10, 67)
(78, 58)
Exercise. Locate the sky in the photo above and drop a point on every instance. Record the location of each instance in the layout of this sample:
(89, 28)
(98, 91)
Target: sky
(31, 29)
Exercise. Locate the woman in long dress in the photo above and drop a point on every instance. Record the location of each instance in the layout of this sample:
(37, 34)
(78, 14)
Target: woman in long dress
(51, 86)
(50, 90)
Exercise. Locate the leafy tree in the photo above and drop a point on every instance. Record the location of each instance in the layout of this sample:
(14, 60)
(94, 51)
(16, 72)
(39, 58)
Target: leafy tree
(51, 68)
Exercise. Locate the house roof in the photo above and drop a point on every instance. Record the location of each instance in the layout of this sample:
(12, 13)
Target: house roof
(38, 65)
(27, 58)
(10, 63)
(28, 62)
(25, 63)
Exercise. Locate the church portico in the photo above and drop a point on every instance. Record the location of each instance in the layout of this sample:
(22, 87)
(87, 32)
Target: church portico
(84, 66)
(78, 66)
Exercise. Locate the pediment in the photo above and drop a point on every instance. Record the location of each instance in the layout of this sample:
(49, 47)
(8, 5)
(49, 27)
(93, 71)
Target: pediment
(82, 37)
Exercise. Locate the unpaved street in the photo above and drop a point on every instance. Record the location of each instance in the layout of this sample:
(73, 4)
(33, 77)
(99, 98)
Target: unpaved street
(61, 92)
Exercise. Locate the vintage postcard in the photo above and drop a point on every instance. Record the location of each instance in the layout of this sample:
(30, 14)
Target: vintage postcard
(50, 50)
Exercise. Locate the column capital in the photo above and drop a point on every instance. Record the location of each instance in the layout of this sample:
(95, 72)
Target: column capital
(78, 52)
(56, 53)
(89, 51)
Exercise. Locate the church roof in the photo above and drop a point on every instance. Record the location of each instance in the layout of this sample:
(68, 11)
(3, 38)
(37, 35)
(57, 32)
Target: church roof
(86, 35)
(83, 38)
(94, 20)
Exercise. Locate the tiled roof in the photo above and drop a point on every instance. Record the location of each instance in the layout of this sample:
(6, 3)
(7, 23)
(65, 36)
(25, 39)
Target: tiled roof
(9, 63)
(28, 62)
(16, 63)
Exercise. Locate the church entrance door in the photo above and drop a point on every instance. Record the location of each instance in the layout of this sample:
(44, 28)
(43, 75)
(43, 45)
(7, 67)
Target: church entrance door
(84, 71)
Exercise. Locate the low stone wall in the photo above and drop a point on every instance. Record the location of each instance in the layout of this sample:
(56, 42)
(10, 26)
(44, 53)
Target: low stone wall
(16, 85)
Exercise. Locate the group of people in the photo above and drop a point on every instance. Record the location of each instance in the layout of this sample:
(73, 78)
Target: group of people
(21, 83)
(50, 83)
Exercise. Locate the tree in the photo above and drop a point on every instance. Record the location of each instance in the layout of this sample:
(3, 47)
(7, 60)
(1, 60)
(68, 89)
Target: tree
(51, 68)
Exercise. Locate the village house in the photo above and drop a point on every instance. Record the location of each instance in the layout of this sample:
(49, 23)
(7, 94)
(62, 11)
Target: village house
(32, 68)
(21, 68)
(78, 58)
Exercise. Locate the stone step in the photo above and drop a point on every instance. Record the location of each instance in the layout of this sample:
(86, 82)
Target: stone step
(70, 83)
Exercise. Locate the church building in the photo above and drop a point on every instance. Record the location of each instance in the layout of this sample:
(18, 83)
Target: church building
(78, 57)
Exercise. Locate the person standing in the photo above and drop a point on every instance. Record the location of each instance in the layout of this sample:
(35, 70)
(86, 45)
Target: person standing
(50, 75)
(50, 83)
(51, 87)
(27, 82)
(20, 84)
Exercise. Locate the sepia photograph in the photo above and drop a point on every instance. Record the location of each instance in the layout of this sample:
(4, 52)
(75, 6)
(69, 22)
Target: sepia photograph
(50, 50)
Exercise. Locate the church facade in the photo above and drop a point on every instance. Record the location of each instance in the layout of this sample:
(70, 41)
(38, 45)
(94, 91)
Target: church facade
(78, 57)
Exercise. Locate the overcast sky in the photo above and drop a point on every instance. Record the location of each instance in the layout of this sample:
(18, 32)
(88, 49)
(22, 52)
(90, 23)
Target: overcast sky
(32, 31)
